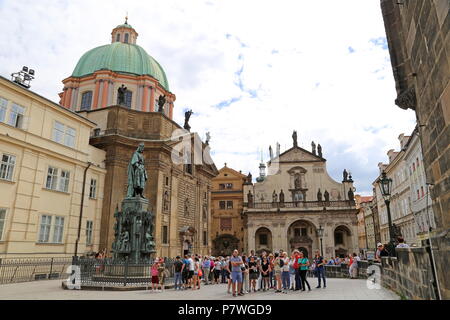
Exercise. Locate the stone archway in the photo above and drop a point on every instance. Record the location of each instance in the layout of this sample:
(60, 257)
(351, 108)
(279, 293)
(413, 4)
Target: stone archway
(302, 235)
(263, 239)
(224, 244)
(342, 237)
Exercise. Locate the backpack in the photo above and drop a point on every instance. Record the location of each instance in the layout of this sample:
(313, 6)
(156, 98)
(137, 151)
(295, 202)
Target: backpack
(281, 263)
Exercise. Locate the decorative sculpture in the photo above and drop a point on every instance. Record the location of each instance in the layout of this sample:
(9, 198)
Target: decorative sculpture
(187, 116)
(294, 138)
(345, 174)
(281, 196)
(208, 138)
(249, 198)
(351, 195)
(319, 150)
(319, 195)
(270, 152)
(124, 239)
(326, 195)
(313, 147)
(249, 178)
(161, 103)
(121, 95)
(278, 149)
(297, 182)
(137, 175)
(274, 196)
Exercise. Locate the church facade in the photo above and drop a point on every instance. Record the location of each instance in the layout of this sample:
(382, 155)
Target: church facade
(287, 208)
(126, 93)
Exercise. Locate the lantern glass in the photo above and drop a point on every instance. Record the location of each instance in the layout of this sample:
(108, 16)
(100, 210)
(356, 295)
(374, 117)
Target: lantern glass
(320, 232)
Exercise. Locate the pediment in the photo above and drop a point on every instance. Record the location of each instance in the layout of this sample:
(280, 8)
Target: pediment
(297, 154)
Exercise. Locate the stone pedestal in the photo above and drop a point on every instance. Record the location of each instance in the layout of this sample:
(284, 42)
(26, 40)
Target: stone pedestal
(133, 231)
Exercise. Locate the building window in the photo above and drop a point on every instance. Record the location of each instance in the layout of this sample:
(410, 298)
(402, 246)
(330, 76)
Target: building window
(53, 183)
(2, 222)
(44, 231)
(128, 98)
(165, 235)
(225, 223)
(167, 181)
(263, 239)
(205, 238)
(228, 186)
(7, 167)
(118, 37)
(3, 106)
(93, 189)
(58, 230)
(221, 186)
(222, 205)
(16, 116)
(126, 37)
(86, 100)
(89, 230)
(63, 134)
(229, 204)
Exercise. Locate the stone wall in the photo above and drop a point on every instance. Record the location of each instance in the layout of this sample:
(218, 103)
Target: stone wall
(409, 274)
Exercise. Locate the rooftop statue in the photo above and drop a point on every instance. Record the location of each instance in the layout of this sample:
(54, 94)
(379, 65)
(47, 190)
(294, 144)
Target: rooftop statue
(161, 103)
(121, 95)
(187, 116)
(294, 138)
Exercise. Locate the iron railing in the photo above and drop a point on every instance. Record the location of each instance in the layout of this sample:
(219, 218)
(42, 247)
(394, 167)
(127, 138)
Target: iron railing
(31, 269)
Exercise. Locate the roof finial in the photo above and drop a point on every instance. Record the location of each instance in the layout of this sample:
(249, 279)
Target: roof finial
(126, 18)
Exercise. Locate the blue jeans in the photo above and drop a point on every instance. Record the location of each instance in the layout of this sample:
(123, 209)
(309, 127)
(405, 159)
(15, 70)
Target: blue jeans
(320, 272)
(224, 276)
(178, 281)
(298, 283)
(285, 278)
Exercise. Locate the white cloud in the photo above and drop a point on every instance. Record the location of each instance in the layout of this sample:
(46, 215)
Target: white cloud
(294, 54)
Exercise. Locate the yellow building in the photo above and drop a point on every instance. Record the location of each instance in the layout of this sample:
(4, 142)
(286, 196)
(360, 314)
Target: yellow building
(46, 165)
(228, 226)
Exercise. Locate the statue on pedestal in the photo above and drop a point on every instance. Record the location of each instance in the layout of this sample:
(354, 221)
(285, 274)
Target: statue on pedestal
(274, 196)
(187, 116)
(137, 175)
(121, 95)
(270, 152)
(319, 195)
(294, 138)
(345, 175)
(313, 148)
(161, 103)
(282, 196)
(250, 198)
(319, 150)
(208, 138)
(326, 195)
(351, 195)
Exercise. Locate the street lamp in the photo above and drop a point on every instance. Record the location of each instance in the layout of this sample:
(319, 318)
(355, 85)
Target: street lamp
(320, 234)
(385, 185)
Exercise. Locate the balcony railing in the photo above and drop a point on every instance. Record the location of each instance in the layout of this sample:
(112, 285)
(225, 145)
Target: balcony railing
(300, 204)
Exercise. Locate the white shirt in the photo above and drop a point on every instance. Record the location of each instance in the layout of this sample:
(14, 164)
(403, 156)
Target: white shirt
(285, 267)
(191, 264)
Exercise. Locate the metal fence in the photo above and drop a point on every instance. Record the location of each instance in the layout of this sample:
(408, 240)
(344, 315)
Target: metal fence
(103, 273)
(23, 270)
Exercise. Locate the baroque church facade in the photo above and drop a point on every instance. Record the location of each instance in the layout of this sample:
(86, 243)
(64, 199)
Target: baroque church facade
(126, 93)
(287, 208)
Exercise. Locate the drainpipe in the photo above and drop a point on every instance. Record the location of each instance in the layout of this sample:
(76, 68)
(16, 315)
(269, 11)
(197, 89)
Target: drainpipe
(81, 208)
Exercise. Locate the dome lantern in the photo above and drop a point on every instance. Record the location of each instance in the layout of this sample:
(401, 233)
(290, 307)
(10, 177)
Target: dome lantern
(124, 33)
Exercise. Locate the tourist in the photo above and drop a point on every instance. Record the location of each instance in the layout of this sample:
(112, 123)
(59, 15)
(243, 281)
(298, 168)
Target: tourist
(337, 261)
(303, 266)
(277, 272)
(245, 275)
(253, 272)
(285, 276)
(211, 269)
(292, 272)
(206, 265)
(320, 269)
(401, 243)
(196, 275)
(217, 270)
(265, 270)
(161, 273)
(236, 273)
(330, 262)
(271, 273)
(154, 273)
(178, 268)
(298, 282)
(229, 276)
(381, 252)
(224, 269)
(185, 272)
(353, 269)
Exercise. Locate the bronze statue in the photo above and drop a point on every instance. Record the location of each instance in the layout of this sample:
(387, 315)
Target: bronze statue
(121, 95)
(137, 175)
(294, 138)
(313, 147)
(319, 150)
(319, 195)
(326, 195)
(161, 103)
(124, 239)
(187, 116)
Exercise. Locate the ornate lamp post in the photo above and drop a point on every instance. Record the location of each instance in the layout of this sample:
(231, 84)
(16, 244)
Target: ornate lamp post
(320, 234)
(385, 185)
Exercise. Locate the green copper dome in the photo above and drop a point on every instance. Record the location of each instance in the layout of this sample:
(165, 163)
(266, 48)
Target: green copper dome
(123, 58)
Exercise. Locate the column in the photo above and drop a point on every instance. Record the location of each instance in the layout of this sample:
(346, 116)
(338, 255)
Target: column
(171, 110)
(96, 92)
(68, 98)
(105, 93)
(110, 93)
(145, 99)
(73, 104)
(152, 99)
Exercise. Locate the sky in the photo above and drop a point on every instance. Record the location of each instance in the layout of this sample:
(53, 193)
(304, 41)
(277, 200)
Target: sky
(251, 71)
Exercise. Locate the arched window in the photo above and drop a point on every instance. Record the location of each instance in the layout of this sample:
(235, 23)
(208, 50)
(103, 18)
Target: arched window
(128, 98)
(86, 101)
(118, 37)
(126, 38)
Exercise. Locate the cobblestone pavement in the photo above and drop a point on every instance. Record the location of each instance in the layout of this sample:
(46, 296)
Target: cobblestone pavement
(337, 289)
